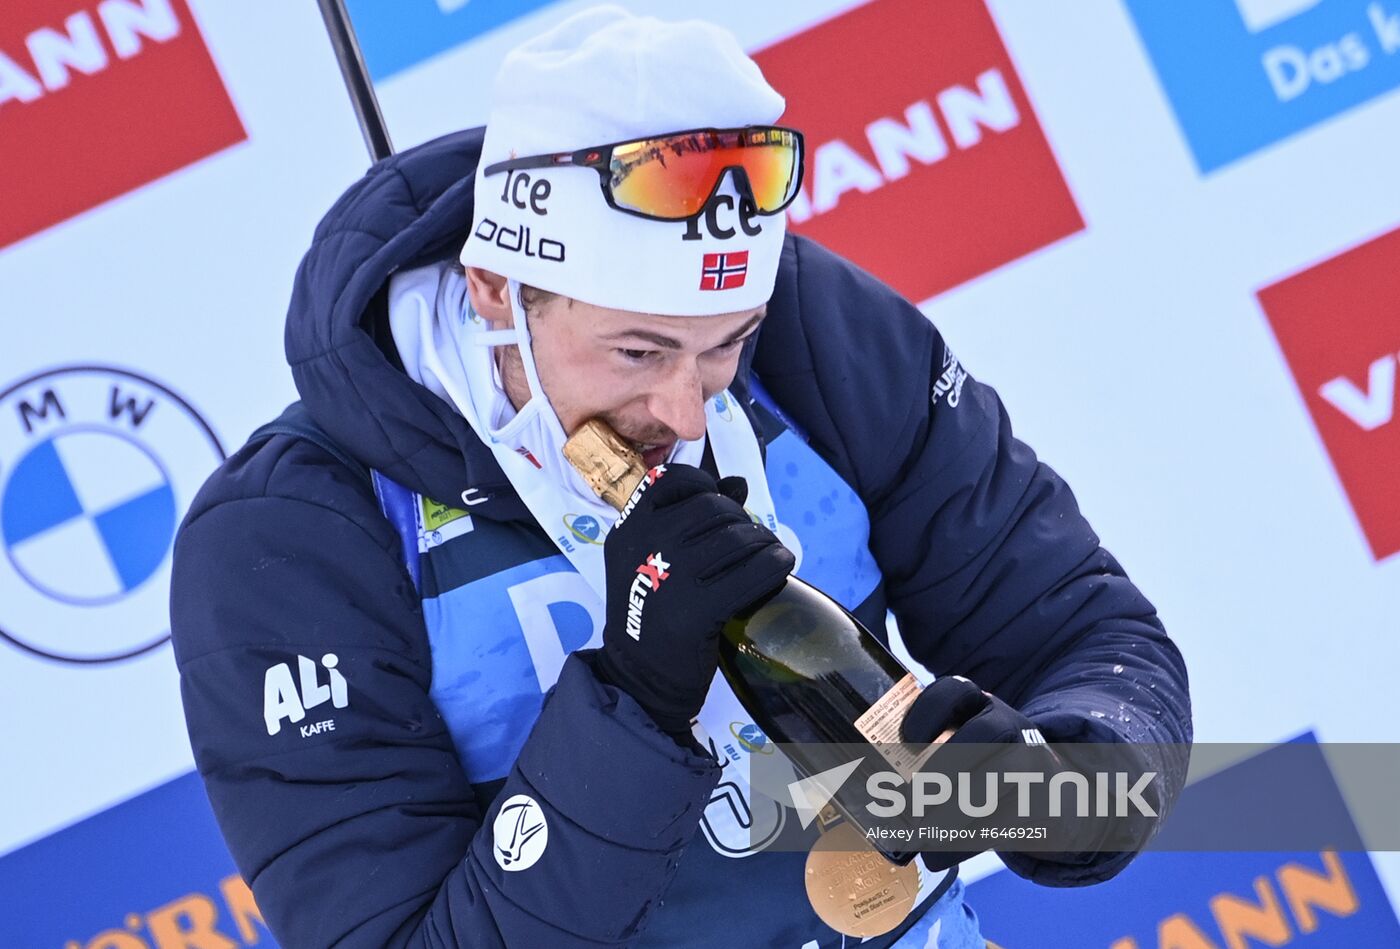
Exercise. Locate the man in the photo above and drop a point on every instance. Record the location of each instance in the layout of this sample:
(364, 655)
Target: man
(427, 700)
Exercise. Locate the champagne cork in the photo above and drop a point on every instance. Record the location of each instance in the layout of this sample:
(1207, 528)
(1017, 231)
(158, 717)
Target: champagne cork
(609, 465)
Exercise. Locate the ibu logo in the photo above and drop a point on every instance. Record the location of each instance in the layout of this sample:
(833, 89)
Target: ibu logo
(584, 528)
(751, 738)
(1244, 74)
(96, 467)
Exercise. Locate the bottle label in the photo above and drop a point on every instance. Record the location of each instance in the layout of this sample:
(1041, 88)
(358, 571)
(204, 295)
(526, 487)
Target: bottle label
(880, 723)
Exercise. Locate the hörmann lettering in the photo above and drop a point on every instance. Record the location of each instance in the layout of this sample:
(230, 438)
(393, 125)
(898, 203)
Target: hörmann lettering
(837, 168)
(54, 55)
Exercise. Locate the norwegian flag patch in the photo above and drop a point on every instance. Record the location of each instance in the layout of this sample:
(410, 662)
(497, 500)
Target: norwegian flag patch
(724, 271)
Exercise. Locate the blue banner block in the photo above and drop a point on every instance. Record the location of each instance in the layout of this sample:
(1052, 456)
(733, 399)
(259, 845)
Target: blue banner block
(1324, 899)
(397, 34)
(1245, 74)
(150, 872)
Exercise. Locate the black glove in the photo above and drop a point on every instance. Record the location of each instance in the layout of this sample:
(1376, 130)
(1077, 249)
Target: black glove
(957, 703)
(953, 702)
(683, 559)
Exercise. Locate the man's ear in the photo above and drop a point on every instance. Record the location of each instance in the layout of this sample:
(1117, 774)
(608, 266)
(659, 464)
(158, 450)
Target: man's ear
(490, 297)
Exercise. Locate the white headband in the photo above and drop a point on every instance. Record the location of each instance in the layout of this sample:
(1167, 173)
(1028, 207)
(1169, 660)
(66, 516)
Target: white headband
(605, 76)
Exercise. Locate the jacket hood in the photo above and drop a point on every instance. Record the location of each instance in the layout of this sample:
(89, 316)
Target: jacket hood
(408, 210)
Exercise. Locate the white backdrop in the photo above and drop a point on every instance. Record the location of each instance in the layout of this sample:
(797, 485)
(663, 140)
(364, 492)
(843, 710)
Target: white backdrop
(1133, 355)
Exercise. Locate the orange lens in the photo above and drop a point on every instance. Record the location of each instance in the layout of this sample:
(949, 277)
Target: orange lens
(672, 177)
(771, 158)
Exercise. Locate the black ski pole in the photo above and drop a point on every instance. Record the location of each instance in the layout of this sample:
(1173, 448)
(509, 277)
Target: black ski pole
(356, 76)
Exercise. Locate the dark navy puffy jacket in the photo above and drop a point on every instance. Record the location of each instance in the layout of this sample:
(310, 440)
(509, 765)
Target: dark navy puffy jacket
(370, 836)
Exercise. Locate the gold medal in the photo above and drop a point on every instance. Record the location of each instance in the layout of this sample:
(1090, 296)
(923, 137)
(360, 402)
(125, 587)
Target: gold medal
(853, 888)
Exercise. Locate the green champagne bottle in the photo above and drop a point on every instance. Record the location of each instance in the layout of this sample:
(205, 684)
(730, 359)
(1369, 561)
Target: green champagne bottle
(812, 677)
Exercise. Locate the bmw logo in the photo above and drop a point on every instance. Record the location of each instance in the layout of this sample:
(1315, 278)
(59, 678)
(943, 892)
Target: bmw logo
(584, 527)
(97, 466)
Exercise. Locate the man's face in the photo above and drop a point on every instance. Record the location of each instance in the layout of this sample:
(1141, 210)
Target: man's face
(646, 376)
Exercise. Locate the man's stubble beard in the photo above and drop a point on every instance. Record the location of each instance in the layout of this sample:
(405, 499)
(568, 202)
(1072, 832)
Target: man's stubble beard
(511, 366)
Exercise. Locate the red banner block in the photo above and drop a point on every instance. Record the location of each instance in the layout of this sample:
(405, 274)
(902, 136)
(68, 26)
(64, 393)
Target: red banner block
(925, 163)
(1338, 324)
(97, 99)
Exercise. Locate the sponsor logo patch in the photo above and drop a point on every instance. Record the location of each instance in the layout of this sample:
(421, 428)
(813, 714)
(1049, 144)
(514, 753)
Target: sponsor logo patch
(949, 384)
(520, 834)
(650, 575)
(438, 523)
(925, 163)
(520, 240)
(1338, 325)
(97, 99)
(290, 698)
